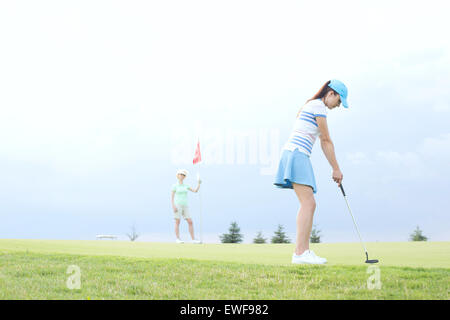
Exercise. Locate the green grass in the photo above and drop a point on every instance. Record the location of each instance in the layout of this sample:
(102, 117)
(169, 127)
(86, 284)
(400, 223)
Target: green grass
(407, 254)
(36, 269)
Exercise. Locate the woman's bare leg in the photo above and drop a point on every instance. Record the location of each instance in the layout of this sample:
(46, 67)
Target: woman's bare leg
(191, 228)
(177, 228)
(304, 217)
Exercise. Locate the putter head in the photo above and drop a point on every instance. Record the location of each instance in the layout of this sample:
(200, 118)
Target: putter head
(372, 261)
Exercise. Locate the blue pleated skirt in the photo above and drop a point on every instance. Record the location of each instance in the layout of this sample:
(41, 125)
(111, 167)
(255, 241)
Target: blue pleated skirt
(295, 167)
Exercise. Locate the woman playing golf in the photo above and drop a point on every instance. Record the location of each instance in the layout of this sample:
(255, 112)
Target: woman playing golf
(295, 170)
(180, 205)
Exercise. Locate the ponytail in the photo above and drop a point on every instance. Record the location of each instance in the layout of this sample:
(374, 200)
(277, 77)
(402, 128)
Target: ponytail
(320, 94)
(322, 91)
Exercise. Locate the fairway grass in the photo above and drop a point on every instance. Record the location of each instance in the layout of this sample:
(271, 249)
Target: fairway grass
(37, 269)
(398, 254)
(44, 276)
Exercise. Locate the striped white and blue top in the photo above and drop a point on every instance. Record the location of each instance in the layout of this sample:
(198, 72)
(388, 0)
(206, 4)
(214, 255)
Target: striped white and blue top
(306, 130)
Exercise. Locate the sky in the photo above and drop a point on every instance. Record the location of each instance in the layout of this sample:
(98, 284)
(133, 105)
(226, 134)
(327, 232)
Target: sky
(102, 101)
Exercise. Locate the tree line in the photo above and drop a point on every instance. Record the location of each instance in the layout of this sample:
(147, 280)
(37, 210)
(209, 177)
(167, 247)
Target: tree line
(234, 235)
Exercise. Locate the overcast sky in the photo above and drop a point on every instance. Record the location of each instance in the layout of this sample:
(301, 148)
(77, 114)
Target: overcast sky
(102, 101)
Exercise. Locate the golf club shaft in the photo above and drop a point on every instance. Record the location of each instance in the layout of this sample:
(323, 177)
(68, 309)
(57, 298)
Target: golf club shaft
(354, 222)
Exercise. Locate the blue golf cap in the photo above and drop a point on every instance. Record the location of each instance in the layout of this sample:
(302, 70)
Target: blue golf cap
(340, 88)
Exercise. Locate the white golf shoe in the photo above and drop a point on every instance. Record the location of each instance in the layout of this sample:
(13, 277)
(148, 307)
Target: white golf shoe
(320, 258)
(179, 240)
(196, 241)
(307, 257)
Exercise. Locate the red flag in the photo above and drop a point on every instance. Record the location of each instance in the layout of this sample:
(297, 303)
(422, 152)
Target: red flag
(197, 156)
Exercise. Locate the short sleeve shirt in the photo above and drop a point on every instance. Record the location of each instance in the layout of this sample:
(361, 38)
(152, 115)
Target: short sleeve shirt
(181, 193)
(306, 129)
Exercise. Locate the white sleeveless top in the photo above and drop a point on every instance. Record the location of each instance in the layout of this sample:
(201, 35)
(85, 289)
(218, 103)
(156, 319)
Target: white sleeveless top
(306, 130)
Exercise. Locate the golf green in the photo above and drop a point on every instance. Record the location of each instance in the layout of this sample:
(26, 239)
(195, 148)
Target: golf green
(43, 269)
(401, 254)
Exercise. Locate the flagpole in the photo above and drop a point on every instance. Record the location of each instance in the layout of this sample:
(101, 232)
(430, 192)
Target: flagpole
(198, 159)
(200, 198)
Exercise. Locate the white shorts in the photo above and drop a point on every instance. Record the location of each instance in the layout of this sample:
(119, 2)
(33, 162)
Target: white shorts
(182, 210)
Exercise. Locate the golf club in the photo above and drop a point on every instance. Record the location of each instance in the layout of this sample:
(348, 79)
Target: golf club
(365, 250)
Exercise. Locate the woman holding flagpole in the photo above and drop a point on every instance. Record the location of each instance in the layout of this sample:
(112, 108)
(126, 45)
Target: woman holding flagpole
(180, 204)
